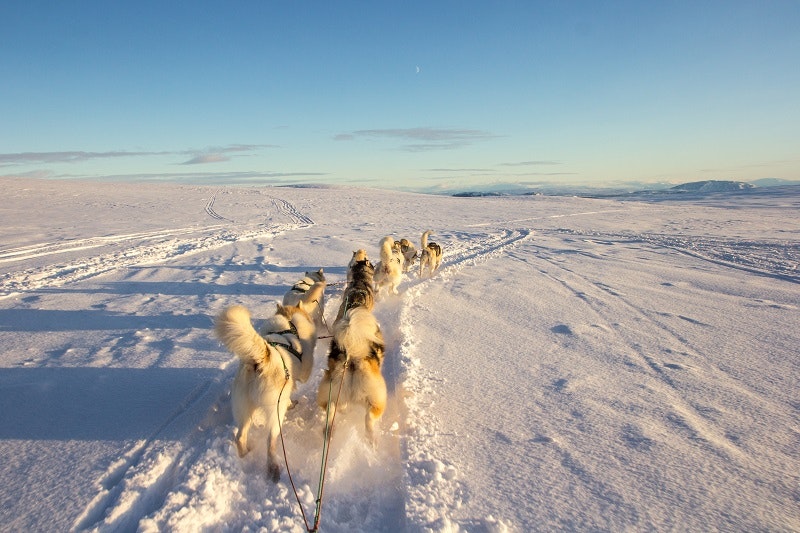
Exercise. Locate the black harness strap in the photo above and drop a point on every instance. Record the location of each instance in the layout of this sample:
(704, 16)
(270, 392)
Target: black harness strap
(288, 345)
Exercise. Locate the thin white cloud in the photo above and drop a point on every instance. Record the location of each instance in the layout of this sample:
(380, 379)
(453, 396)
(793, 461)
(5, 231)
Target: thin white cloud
(22, 158)
(530, 163)
(427, 138)
(208, 155)
(206, 158)
(459, 170)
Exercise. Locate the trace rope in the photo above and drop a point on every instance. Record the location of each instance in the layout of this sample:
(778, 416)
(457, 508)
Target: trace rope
(325, 447)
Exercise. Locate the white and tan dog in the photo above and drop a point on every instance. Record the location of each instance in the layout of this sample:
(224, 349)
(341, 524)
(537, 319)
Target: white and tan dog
(269, 363)
(430, 257)
(389, 271)
(355, 356)
(310, 290)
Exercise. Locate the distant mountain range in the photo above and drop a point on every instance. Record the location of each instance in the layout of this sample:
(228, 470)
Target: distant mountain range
(712, 186)
(635, 190)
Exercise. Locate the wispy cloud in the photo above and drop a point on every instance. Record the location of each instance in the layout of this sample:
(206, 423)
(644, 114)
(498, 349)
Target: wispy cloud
(206, 158)
(219, 154)
(423, 139)
(232, 178)
(530, 163)
(208, 155)
(22, 158)
(459, 170)
(546, 174)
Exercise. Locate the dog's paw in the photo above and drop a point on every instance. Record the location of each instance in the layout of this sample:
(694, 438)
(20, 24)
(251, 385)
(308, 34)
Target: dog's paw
(274, 472)
(241, 449)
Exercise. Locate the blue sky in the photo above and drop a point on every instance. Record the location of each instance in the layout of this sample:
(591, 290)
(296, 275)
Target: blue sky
(427, 95)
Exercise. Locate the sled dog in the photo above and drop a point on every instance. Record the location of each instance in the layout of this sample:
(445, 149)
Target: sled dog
(389, 271)
(355, 356)
(311, 291)
(269, 363)
(359, 291)
(409, 252)
(358, 256)
(430, 257)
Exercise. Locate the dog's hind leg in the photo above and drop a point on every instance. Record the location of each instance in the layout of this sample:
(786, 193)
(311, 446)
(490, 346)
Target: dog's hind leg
(241, 436)
(273, 468)
(374, 413)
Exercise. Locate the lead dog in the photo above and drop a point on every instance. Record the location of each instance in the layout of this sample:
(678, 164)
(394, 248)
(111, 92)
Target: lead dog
(310, 290)
(269, 363)
(431, 256)
(389, 271)
(354, 368)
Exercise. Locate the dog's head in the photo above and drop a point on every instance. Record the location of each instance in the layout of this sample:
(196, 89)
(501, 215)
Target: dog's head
(358, 255)
(363, 267)
(316, 276)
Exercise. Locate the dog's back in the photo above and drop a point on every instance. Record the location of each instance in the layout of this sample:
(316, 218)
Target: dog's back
(357, 348)
(359, 291)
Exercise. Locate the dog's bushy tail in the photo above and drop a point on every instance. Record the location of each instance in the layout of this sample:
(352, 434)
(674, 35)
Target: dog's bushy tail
(234, 329)
(358, 332)
(425, 238)
(386, 249)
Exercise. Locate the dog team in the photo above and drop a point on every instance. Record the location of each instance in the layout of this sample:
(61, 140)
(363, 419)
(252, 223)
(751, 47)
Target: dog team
(281, 354)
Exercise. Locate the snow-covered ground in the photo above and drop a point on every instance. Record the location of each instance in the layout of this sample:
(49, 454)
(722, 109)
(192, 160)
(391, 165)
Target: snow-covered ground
(576, 364)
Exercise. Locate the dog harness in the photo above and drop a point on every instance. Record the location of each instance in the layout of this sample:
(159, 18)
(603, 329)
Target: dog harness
(288, 345)
(302, 285)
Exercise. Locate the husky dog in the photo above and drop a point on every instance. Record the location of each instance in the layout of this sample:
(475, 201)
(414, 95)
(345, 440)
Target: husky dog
(358, 256)
(409, 252)
(311, 290)
(355, 356)
(389, 271)
(359, 291)
(431, 256)
(269, 363)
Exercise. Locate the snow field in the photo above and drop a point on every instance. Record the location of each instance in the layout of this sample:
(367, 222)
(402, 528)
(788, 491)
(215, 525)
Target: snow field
(575, 364)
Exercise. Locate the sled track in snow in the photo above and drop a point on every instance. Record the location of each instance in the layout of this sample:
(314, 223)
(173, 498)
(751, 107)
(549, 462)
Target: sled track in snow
(76, 245)
(772, 258)
(427, 480)
(466, 249)
(210, 209)
(286, 208)
(120, 251)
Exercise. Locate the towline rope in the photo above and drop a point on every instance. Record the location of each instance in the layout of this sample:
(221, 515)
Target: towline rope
(326, 441)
